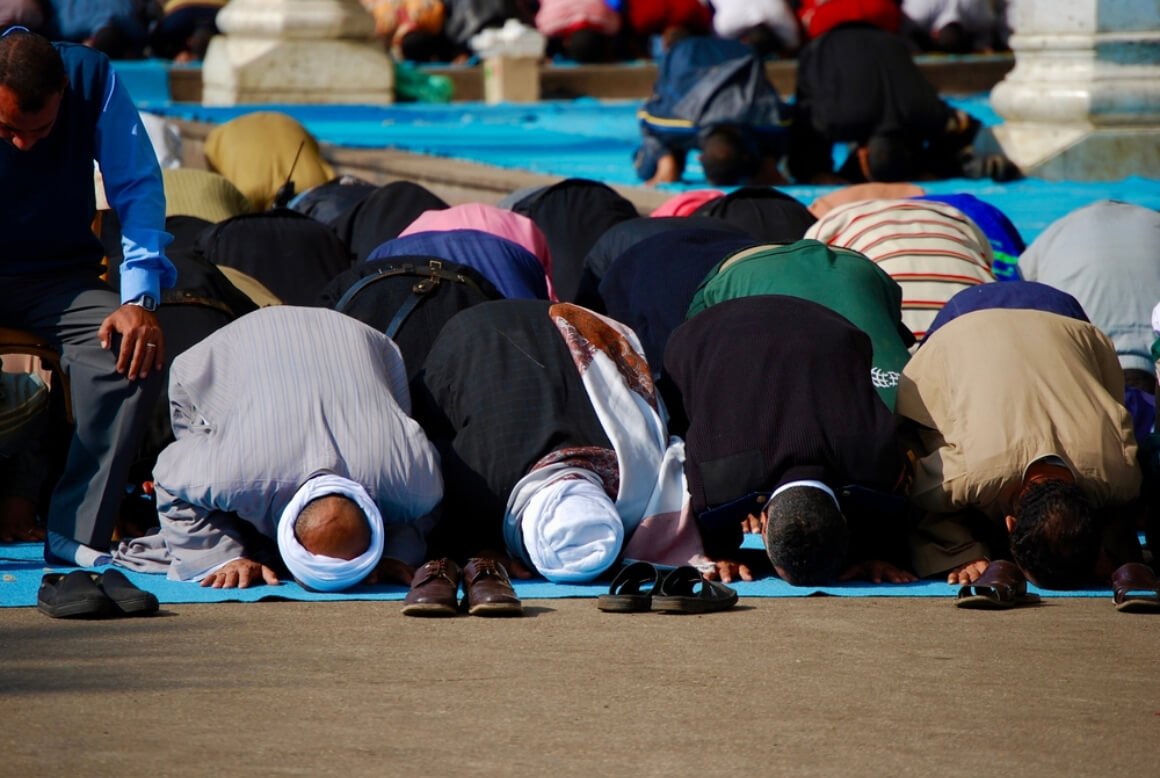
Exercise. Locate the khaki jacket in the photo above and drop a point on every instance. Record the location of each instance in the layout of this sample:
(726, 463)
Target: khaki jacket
(996, 389)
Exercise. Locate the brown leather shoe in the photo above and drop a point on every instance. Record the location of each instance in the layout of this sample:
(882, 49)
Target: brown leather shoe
(488, 591)
(434, 590)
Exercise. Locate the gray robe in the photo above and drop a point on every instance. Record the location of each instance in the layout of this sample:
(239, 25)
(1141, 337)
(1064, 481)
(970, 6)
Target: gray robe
(263, 404)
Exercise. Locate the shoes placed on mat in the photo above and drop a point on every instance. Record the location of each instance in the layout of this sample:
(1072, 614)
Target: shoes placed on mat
(625, 595)
(1136, 589)
(487, 590)
(73, 596)
(434, 590)
(127, 599)
(1001, 586)
(685, 590)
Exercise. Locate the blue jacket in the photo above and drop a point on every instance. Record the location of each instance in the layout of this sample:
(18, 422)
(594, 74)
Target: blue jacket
(703, 83)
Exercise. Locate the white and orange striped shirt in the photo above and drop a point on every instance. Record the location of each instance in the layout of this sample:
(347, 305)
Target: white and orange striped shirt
(931, 249)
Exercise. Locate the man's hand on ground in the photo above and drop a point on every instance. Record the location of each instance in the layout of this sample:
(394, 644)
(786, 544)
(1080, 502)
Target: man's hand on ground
(240, 574)
(877, 571)
(968, 573)
(391, 571)
(142, 342)
(754, 525)
(515, 568)
(18, 521)
(727, 570)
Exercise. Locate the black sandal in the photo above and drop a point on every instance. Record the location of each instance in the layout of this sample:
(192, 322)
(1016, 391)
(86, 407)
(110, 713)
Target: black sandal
(625, 595)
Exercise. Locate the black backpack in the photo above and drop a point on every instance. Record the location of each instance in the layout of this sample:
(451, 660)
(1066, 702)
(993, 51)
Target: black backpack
(408, 298)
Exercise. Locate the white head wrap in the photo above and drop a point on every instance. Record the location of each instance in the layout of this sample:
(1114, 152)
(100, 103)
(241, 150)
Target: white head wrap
(810, 484)
(571, 530)
(324, 573)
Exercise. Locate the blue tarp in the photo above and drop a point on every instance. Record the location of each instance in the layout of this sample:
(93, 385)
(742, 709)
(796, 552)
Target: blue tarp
(588, 138)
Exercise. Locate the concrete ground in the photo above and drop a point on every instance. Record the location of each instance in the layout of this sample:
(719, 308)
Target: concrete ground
(812, 686)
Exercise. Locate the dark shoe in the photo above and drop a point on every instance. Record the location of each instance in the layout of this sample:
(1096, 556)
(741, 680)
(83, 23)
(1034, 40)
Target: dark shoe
(1136, 589)
(128, 599)
(72, 596)
(488, 591)
(434, 590)
(625, 595)
(685, 590)
(1000, 587)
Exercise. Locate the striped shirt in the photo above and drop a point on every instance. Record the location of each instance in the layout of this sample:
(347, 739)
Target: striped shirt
(931, 249)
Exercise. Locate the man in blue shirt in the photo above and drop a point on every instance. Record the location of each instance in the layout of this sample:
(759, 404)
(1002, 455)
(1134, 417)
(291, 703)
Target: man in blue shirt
(712, 95)
(61, 109)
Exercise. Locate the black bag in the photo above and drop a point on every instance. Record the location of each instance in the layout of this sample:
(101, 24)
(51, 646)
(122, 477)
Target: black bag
(408, 298)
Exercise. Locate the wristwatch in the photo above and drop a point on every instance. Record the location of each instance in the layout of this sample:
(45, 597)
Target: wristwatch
(146, 301)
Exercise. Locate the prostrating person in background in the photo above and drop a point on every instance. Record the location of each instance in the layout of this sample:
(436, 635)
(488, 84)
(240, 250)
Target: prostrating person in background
(713, 95)
(858, 84)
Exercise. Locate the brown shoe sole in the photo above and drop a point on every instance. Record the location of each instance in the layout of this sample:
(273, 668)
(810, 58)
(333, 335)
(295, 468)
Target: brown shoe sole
(497, 609)
(430, 609)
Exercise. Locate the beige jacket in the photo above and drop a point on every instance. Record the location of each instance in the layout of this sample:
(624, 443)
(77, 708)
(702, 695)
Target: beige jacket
(996, 389)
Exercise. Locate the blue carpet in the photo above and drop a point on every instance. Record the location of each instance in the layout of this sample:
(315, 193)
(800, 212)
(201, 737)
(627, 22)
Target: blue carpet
(22, 565)
(595, 139)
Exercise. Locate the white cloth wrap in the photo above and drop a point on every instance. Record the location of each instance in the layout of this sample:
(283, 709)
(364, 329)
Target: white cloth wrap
(810, 484)
(324, 573)
(571, 529)
(650, 465)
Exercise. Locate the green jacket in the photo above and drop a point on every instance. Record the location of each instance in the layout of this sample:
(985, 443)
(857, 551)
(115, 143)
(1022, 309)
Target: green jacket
(842, 280)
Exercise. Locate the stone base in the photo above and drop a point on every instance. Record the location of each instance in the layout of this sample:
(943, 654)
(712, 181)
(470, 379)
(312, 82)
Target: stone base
(1081, 152)
(511, 79)
(242, 69)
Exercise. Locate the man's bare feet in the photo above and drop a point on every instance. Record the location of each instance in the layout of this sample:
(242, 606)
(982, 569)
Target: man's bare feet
(18, 521)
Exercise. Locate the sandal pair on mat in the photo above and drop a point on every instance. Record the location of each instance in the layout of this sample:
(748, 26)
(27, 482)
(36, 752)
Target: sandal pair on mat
(681, 590)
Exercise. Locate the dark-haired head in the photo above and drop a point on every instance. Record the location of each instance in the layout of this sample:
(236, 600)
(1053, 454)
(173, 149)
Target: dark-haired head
(588, 45)
(31, 69)
(806, 536)
(762, 39)
(889, 159)
(952, 38)
(726, 158)
(420, 46)
(1055, 537)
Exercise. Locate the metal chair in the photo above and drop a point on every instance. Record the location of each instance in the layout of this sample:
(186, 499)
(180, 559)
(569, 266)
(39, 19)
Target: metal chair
(14, 341)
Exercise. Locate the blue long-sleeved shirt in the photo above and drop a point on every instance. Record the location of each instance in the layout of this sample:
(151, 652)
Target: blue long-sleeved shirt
(134, 189)
(48, 202)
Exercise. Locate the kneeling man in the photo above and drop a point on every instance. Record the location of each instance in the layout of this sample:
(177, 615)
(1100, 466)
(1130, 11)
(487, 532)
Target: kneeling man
(292, 426)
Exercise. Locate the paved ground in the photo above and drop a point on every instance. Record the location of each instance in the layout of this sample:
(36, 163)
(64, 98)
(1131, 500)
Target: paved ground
(818, 686)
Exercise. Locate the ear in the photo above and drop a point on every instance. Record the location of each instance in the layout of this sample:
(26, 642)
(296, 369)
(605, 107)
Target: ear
(863, 154)
(1010, 521)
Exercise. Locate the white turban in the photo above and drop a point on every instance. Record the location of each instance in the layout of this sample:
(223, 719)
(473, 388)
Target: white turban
(571, 530)
(325, 573)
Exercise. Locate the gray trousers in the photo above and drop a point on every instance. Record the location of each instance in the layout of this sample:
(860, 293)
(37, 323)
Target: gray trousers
(110, 411)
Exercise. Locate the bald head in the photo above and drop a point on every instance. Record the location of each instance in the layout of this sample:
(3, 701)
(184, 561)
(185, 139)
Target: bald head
(333, 526)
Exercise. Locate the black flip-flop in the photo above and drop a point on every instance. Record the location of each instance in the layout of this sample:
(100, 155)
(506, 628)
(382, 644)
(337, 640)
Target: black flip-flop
(127, 598)
(625, 595)
(72, 596)
(685, 590)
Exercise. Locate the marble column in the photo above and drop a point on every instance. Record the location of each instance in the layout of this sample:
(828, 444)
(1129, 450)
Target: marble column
(296, 51)
(1083, 100)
